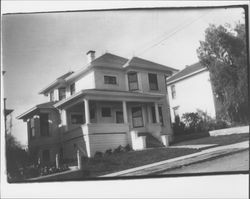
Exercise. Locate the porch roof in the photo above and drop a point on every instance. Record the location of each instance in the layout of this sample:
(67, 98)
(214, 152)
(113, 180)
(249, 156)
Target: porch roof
(110, 95)
(47, 105)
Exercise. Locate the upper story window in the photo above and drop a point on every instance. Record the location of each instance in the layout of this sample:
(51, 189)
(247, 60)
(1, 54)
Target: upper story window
(153, 83)
(62, 93)
(51, 95)
(72, 88)
(133, 81)
(110, 80)
(173, 91)
(44, 124)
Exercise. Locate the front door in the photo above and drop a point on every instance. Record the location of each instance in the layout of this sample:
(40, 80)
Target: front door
(137, 117)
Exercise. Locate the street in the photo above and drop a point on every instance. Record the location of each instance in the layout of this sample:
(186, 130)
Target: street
(235, 162)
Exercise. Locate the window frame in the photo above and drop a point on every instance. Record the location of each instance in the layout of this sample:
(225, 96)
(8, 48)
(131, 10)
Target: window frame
(173, 91)
(106, 108)
(136, 81)
(72, 88)
(154, 83)
(141, 116)
(52, 96)
(59, 93)
(108, 82)
(176, 108)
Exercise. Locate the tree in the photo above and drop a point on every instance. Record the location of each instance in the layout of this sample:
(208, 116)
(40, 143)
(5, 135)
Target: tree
(16, 158)
(224, 54)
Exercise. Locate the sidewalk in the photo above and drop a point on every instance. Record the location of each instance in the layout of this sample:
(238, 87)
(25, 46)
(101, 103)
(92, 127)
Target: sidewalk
(154, 168)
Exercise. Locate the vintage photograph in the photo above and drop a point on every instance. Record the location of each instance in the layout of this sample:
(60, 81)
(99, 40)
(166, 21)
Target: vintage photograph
(125, 93)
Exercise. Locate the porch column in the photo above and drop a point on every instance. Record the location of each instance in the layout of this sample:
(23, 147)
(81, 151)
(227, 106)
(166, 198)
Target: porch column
(125, 114)
(86, 106)
(64, 119)
(157, 113)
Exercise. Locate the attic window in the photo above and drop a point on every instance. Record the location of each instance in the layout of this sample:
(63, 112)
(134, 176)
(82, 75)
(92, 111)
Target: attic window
(110, 80)
(72, 89)
(62, 93)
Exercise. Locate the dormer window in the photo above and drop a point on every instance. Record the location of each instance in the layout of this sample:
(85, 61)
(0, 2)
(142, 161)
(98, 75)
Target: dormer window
(62, 93)
(153, 83)
(133, 81)
(51, 95)
(72, 89)
(109, 80)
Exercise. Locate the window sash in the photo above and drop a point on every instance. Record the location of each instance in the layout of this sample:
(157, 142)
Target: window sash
(110, 80)
(51, 96)
(173, 91)
(133, 81)
(153, 83)
(62, 93)
(72, 89)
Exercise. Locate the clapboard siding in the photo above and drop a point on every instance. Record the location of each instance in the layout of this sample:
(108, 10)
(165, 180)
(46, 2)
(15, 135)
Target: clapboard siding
(102, 142)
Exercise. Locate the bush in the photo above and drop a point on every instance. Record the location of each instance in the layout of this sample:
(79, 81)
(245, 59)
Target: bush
(98, 154)
(128, 148)
(178, 126)
(108, 152)
(119, 149)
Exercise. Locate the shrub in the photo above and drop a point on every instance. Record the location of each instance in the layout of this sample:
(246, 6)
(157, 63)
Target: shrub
(98, 154)
(108, 152)
(128, 148)
(119, 149)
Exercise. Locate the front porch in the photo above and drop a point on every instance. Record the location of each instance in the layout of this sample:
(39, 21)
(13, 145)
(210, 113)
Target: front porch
(100, 124)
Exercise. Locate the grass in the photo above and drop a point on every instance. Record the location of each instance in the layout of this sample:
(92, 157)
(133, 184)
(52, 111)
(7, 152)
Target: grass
(94, 167)
(219, 140)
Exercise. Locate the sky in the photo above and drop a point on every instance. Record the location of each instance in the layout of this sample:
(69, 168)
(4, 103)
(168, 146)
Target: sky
(37, 48)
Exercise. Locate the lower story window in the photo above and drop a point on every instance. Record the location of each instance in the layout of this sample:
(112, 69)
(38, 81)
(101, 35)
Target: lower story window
(76, 119)
(137, 117)
(176, 111)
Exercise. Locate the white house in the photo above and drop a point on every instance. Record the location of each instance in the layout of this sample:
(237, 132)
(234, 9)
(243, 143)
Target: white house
(111, 101)
(190, 89)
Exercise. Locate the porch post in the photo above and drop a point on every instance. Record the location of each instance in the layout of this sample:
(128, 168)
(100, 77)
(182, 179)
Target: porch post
(157, 113)
(64, 119)
(86, 106)
(125, 114)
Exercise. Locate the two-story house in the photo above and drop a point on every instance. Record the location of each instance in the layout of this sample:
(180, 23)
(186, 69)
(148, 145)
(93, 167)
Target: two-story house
(105, 104)
(190, 89)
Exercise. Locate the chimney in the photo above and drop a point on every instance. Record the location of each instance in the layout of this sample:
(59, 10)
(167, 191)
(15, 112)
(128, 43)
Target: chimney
(90, 56)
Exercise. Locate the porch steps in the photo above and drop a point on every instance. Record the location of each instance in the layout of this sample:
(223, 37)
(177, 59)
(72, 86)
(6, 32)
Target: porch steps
(151, 141)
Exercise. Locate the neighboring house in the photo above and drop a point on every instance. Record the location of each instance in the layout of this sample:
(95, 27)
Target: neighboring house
(112, 101)
(190, 89)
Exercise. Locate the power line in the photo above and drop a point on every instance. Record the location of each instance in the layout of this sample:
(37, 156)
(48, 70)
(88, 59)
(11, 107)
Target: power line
(169, 35)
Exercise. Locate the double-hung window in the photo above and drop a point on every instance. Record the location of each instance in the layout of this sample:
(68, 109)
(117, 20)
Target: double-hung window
(153, 83)
(76, 118)
(133, 81)
(110, 79)
(51, 94)
(62, 93)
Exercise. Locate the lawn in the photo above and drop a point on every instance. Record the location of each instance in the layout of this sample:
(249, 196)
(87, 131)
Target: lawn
(219, 140)
(94, 167)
